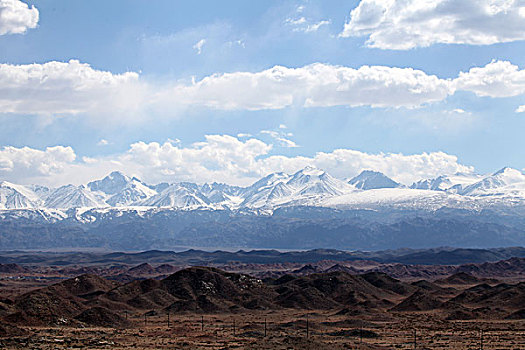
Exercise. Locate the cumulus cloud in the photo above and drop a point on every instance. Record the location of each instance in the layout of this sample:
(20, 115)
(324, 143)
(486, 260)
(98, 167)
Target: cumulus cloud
(61, 88)
(520, 109)
(16, 17)
(28, 164)
(406, 24)
(496, 79)
(68, 88)
(221, 158)
(315, 85)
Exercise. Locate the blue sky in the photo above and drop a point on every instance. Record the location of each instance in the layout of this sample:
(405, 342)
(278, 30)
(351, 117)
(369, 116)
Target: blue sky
(152, 73)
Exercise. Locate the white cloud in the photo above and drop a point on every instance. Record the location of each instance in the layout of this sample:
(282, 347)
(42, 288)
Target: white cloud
(74, 87)
(284, 142)
(198, 46)
(242, 135)
(102, 142)
(272, 133)
(67, 88)
(16, 17)
(58, 88)
(239, 42)
(28, 164)
(220, 158)
(496, 79)
(520, 109)
(406, 24)
(175, 141)
(315, 85)
(313, 27)
(281, 137)
(301, 24)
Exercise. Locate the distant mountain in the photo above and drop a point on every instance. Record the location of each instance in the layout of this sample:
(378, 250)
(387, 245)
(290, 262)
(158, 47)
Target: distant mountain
(307, 209)
(506, 181)
(222, 193)
(14, 196)
(451, 183)
(71, 196)
(121, 190)
(306, 186)
(111, 184)
(176, 196)
(369, 180)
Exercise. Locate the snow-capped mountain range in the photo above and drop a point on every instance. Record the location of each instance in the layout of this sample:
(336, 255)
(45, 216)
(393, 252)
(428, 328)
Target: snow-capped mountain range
(307, 187)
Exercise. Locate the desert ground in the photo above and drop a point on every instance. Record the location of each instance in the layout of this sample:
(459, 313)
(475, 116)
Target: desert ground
(317, 305)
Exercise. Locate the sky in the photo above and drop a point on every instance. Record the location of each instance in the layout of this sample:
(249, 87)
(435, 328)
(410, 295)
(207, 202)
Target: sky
(231, 91)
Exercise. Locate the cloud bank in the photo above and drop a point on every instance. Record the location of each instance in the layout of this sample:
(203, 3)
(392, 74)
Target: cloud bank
(407, 24)
(16, 17)
(66, 88)
(220, 158)
(56, 88)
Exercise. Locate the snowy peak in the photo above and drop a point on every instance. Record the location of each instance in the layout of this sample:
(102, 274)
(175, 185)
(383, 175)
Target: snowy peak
(450, 183)
(176, 196)
(310, 171)
(318, 182)
(370, 180)
(219, 192)
(14, 196)
(506, 180)
(111, 184)
(133, 191)
(306, 186)
(307, 175)
(267, 181)
(71, 196)
(121, 189)
(440, 183)
(510, 174)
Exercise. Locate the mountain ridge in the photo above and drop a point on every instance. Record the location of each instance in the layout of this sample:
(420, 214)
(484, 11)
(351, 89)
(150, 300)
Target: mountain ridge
(308, 186)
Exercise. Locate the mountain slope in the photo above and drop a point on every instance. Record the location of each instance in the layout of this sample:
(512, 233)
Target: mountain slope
(306, 186)
(121, 190)
(71, 196)
(451, 183)
(176, 196)
(14, 196)
(369, 180)
(506, 181)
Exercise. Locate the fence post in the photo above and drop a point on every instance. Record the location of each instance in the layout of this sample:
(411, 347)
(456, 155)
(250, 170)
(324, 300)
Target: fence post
(202, 323)
(234, 327)
(145, 320)
(481, 339)
(307, 328)
(265, 327)
(415, 339)
(168, 319)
